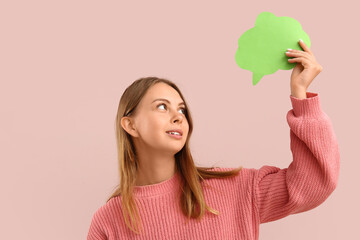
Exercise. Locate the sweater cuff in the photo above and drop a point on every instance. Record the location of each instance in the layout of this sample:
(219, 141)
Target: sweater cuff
(308, 107)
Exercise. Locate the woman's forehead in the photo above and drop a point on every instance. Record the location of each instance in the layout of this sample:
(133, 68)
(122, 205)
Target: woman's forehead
(163, 91)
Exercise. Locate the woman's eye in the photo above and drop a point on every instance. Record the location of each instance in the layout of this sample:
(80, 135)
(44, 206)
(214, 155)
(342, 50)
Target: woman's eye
(183, 109)
(161, 104)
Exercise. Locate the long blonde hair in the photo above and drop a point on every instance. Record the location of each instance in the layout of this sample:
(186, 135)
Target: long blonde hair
(192, 198)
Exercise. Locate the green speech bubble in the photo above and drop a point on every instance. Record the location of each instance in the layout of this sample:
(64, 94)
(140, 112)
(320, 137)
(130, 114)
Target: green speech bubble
(261, 49)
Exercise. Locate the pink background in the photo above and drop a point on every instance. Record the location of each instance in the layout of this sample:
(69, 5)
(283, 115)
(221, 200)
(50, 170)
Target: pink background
(65, 64)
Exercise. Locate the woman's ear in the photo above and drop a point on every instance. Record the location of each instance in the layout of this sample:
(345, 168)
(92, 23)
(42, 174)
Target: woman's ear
(128, 125)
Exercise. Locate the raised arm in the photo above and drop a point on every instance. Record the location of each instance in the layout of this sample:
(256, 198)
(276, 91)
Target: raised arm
(312, 175)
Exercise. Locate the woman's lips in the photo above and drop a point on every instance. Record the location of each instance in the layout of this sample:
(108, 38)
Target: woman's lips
(174, 136)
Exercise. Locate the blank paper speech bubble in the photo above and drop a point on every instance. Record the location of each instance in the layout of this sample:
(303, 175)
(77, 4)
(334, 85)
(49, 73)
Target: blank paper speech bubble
(262, 48)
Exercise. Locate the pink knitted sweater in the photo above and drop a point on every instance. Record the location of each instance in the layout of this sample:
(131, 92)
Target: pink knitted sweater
(253, 197)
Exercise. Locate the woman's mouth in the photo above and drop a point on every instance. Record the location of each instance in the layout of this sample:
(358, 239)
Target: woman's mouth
(174, 135)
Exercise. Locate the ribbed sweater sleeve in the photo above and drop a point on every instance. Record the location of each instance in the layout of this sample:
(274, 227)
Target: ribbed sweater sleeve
(312, 175)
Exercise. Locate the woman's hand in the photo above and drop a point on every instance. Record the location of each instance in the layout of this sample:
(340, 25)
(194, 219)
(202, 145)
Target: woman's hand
(306, 69)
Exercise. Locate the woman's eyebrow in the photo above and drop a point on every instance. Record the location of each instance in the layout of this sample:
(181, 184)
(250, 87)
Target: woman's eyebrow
(163, 99)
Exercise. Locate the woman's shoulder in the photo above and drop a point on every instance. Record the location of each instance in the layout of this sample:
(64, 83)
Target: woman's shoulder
(244, 175)
(244, 172)
(232, 188)
(109, 206)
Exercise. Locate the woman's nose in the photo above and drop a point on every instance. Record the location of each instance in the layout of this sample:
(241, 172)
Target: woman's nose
(179, 117)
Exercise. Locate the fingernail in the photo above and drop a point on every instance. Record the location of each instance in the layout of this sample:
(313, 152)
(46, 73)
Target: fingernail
(289, 49)
(301, 40)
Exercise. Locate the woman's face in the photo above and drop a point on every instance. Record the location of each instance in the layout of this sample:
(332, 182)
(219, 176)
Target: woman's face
(155, 117)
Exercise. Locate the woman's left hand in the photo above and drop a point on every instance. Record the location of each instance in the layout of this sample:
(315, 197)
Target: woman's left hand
(306, 69)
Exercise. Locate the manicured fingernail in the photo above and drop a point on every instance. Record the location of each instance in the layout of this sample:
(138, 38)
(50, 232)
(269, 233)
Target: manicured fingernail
(301, 40)
(289, 49)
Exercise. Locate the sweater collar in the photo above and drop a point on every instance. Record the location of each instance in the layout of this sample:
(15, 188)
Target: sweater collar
(169, 185)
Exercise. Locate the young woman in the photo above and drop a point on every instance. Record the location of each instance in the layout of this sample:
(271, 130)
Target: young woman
(163, 195)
